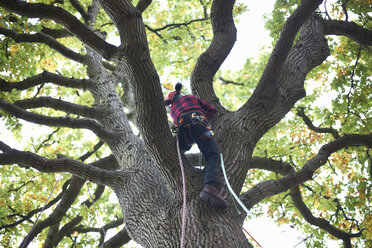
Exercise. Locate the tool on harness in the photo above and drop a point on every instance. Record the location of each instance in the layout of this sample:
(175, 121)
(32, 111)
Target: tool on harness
(189, 119)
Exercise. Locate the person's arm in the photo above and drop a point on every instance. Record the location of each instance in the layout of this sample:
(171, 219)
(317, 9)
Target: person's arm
(209, 109)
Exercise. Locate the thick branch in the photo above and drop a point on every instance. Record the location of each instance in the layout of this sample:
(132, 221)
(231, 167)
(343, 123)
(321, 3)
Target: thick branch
(285, 41)
(45, 77)
(310, 124)
(80, 9)
(319, 222)
(151, 114)
(350, 29)
(270, 165)
(88, 172)
(118, 240)
(269, 104)
(82, 229)
(282, 82)
(68, 228)
(49, 102)
(273, 187)
(38, 10)
(56, 33)
(224, 37)
(45, 39)
(142, 5)
(94, 126)
(285, 169)
(38, 210)
(53, 220)
(271, 101)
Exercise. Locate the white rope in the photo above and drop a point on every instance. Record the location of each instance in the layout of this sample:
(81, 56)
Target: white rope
(231, 190)
(236, 197)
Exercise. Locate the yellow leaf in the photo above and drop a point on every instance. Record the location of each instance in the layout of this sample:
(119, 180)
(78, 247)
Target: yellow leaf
(168, 86)
(14, 49)
(316, 203)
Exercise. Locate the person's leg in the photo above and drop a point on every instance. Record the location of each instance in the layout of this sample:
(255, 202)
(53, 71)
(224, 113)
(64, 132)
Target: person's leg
(208, 147)
(212, 178)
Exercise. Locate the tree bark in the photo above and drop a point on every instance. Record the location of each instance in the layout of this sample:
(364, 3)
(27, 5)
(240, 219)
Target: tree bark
(147, 180)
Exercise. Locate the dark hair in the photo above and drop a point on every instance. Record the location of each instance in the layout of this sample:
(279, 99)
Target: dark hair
(178, 87)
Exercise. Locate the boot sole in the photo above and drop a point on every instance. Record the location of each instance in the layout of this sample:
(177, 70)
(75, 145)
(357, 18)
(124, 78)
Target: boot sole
(211, 199)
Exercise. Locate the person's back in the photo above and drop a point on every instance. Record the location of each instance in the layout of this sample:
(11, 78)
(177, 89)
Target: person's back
(188, 103)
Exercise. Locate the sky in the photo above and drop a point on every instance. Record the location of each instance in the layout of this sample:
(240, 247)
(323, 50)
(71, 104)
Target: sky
(251, 37)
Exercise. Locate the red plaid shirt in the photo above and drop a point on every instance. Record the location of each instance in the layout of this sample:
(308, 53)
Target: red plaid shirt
(189, 102)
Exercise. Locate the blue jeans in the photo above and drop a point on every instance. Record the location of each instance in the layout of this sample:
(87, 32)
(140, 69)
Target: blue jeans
(197, 132)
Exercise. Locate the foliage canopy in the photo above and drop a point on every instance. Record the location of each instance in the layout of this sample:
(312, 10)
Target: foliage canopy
(48, 103)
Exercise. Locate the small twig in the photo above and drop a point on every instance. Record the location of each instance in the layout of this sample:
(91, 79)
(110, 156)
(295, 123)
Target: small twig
(46, 140)
(303, 240)
(343, 5)
(155, 32)
(326, 11)
(177, 25)
(225, 81)
(352, 83)
(309, 123)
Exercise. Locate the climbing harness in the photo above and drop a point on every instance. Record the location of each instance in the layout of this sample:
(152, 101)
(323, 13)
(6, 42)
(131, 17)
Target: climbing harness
(232, 193)
(24, 244)
(184, 206)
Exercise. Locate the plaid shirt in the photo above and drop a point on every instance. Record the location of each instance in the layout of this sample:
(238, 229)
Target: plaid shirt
(189, 102)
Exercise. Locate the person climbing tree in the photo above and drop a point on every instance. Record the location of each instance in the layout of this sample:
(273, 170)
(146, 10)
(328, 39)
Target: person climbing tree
(190, 114)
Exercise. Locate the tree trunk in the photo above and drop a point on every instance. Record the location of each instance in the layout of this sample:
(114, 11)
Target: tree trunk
(153, 215)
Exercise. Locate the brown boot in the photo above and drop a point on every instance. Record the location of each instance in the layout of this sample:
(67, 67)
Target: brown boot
(212, 195)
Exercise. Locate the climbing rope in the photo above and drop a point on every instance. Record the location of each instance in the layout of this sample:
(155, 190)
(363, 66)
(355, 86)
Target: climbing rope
(95, 210)
(24, 244)
(184, 206)
(232, 193)
(251, 236)
(231, 190)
